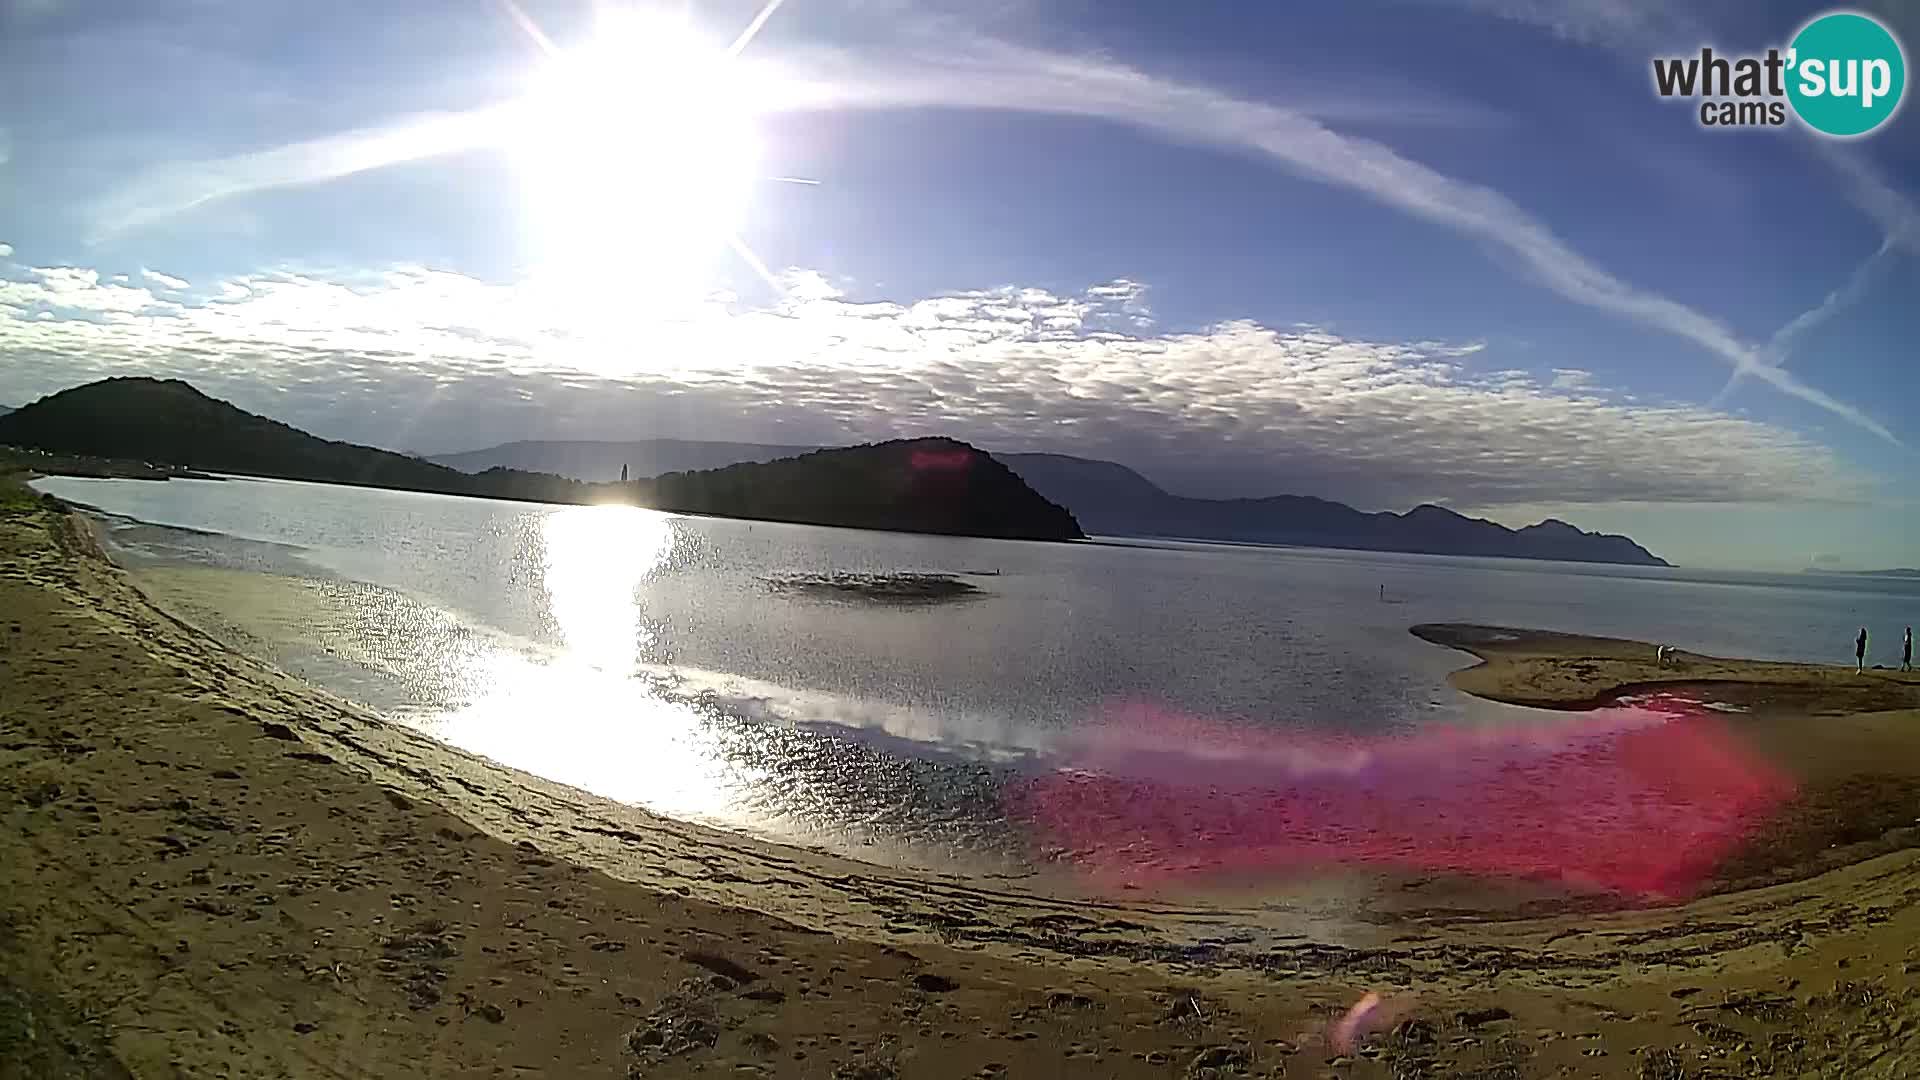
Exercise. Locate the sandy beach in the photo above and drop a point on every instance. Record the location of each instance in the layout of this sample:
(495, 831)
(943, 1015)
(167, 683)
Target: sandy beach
(209, 868)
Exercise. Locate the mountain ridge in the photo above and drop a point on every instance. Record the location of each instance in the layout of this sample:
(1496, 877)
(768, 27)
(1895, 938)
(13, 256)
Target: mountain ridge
(1107, 497)
(168, 421)
(935, 485)
(1131, 504)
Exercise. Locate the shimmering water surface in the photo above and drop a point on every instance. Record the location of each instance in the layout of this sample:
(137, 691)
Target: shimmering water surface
(746, 673)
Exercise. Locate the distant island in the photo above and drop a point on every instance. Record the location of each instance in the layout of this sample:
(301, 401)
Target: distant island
(1111, 499)
(1897, 572)
(919, 485)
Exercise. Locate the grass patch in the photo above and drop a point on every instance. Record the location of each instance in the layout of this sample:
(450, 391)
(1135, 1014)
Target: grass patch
(15, 496)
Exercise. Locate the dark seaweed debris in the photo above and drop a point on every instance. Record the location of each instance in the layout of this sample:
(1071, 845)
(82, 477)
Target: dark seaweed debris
(902, 589)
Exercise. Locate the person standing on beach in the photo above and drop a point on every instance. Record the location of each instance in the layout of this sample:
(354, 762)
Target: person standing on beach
(1860, 652)
(1906, 651)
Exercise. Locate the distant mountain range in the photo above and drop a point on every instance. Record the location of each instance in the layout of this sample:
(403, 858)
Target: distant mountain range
(1111, 499)
(915, 485)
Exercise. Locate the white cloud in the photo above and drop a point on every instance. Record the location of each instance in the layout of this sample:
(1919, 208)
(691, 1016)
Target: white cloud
(1129, 296)
(417, 357)
(6, 250)
(165, 281)
(76, 291)
(809, 285)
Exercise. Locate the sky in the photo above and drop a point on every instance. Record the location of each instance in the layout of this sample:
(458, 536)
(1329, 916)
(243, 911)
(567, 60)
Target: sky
(1392, 252)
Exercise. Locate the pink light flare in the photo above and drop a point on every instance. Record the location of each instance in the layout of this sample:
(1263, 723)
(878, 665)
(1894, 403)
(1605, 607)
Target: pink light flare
(1372, 1013)
(1640, 800)
(942, 460)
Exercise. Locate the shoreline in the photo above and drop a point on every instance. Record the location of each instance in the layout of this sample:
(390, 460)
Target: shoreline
(1546, 669)
(221, 866)
(1849, 742)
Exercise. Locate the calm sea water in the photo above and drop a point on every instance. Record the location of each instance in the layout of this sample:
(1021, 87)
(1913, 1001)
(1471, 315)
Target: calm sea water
(657, 659)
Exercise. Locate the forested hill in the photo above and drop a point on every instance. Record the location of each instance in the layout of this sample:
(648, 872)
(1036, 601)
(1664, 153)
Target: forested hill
(932, 485)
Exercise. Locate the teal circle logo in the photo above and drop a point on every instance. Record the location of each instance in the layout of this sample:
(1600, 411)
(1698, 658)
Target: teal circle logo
(1846, 74)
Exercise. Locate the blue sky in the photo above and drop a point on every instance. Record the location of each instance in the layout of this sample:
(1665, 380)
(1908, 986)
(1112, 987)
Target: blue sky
(1424, 250)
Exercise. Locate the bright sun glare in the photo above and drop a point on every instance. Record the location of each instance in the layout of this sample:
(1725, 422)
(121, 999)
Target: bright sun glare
(638, 153)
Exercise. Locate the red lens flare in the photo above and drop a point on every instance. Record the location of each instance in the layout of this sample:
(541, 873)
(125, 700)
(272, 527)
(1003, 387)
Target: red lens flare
(1641, 800)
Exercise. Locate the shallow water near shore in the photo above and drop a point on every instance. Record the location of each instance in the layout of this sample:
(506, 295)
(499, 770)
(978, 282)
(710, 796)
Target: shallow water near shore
(983, 706)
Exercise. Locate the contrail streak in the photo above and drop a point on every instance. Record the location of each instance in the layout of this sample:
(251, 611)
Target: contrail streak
(532, 28)
(991, 74)
(747, 256)
(753, 28)
(1780, 346)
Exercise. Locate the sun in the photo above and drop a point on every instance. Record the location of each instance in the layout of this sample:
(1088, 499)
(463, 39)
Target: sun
(637, 152)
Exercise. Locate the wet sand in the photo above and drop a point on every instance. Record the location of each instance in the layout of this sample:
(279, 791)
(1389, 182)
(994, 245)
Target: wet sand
(209, 868)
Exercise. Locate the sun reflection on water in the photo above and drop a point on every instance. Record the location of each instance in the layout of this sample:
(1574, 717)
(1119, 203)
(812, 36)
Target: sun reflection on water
(595, 559)
(588, 715)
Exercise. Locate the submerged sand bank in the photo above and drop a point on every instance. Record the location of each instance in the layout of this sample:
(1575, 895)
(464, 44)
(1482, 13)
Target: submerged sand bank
(209, 868)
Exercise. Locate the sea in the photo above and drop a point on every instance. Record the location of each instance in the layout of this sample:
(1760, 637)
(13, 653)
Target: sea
(919, 700)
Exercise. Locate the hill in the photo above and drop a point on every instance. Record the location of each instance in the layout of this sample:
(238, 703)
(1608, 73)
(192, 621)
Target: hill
(1113, 499)
(911, 485)
(602, 461)
(168, 422)
(923, 485)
